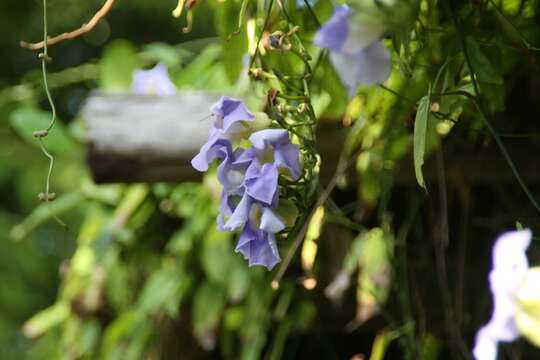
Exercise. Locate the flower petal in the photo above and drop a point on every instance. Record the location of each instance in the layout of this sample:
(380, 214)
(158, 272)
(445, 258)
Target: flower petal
(275, 137)
(214, 148)
(287, 156)
(333, 33)
(510, 266)
(369, 66)
(364, 30)
(230, 111)
(155, 81)
(262, 182)
(240, 214)
(270, 221)
(258, 247)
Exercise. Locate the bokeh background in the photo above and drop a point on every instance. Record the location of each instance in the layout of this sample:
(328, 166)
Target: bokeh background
(140, 271)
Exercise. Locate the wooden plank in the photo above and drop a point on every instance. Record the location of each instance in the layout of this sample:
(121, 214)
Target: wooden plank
(140, 138)
(135, 138)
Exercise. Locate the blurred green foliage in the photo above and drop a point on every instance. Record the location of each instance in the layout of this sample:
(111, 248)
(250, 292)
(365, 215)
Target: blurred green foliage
(141, 271)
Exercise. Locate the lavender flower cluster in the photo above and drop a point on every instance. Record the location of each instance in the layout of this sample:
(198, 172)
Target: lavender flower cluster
(358, 55)
(249, 176)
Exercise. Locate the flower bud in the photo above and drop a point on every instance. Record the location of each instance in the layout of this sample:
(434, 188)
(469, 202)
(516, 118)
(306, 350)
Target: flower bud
(282, 108)
(255, 73)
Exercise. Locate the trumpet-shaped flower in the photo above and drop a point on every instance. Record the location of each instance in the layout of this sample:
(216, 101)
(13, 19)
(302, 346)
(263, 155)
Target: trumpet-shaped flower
(155, 81)
(275, 143)
(355, 50)
(228, 115)
(249, 178)
(257, 241)
(509, 268)
(258, 247)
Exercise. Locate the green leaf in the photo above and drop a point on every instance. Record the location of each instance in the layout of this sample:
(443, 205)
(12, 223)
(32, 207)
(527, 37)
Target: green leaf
(374, 278)
(164, 291)
(196, 73)
(26, 120)
(46, 319)
(165, 53)
(208, 304)
(420, 125)
(45, 212)
(117, 65)
(234, 44)
(481, 64)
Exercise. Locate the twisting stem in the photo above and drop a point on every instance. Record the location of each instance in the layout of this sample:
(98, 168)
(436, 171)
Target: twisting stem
(478, 104)
(43, 133)
(51, 165)
(312, 12)
(72, 34)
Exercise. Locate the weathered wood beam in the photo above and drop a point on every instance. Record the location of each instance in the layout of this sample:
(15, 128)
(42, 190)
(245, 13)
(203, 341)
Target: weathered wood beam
(139, 138)
(149, 139)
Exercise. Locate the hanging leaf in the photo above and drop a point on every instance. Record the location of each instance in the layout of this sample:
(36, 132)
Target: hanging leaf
(420, 126)
(208, 305)
(235, 44)
(375, 273)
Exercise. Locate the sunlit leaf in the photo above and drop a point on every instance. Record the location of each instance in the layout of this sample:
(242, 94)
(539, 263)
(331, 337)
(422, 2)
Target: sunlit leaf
(46, 319)
(117, 65)
(375, 273)
(420, 126)
(235, 45)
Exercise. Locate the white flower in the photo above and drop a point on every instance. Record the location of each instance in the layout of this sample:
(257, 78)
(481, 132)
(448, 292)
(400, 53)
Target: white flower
(509, 268)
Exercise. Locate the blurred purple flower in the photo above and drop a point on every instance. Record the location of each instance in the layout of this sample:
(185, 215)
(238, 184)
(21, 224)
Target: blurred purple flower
(509, 268)
(357, 54)
(155, 81)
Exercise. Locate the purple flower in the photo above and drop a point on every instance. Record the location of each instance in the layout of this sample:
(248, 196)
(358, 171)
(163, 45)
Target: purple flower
(155, 81)
(228, 112)
(258, 247)
(355, 51)
(257, 241)
(509, 268)
(228, 115)
(274, 146)
(249, 178)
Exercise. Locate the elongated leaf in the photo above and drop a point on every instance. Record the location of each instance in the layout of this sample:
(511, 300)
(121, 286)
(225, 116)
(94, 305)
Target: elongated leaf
(420, 125)
(46, 319)
(234, 43)
(208, 305)
(45, 212)
(26, 120)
